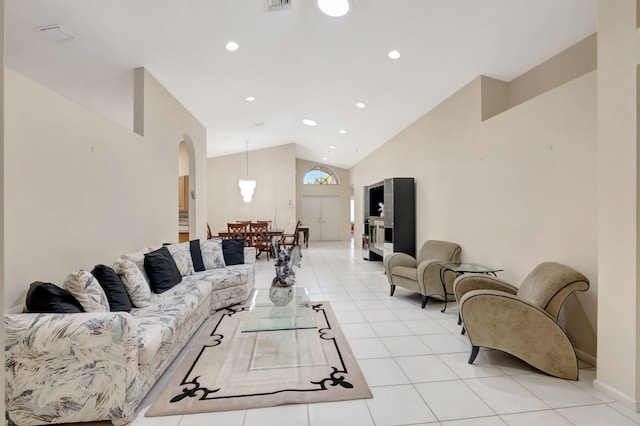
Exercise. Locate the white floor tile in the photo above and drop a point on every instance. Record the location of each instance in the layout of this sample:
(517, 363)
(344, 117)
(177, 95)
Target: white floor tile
(595, 415)
(536, 418)
(410, 314)
(375, 315)
(390, 328)
(556, 393)
(406, 346)
(458, 363)
(382, 372)
(445, 343)
(505, 395)
(626, 411)
(282, 415)
(453, 400)
(509, 364)
(424, 326)
(398, 405)
(357, 330)
(425, 368)
(369, 304)
(477, 421)
(345, 317)
(368, 348)
(347, 413)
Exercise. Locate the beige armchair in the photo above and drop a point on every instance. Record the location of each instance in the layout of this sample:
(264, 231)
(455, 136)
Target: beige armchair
(522, 321)
(422, 274)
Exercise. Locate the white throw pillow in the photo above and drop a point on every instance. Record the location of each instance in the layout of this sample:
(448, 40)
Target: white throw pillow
(181, 254)
(86, 288)
(134, 282)
(212, 255)
(138, 259)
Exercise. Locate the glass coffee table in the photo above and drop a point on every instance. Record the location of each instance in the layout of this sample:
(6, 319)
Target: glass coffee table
(264, 315)
(460, 268)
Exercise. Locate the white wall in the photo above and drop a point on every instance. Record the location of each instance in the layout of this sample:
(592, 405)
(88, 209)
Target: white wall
(2, 249)
(274, 171)
(618, 219)
(81, 189)
(513, 191)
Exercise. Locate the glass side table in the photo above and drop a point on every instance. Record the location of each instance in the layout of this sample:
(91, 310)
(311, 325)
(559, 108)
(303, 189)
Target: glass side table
(460, 268)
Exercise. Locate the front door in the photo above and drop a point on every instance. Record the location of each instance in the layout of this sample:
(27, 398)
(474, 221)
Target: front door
(322, 215)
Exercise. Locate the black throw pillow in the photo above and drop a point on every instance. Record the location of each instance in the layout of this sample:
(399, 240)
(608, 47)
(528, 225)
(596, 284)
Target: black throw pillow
(233, 251)
(49, 298)
(196, 255)
(114, 289)
(162, 270)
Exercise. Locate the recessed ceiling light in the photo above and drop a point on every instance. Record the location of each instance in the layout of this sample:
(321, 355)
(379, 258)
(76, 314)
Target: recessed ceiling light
(334, 8)
(309, 122)
(360, 105)
(250, 99)
(332, 147)
(232, 46)
(325, 158)
(394, 54)
(342, 131)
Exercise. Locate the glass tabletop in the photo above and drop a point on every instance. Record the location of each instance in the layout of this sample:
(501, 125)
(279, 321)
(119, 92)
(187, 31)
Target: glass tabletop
(265, 315)
(465, 267)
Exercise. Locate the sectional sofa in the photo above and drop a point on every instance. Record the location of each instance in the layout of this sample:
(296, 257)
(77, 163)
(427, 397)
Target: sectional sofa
(100, 364)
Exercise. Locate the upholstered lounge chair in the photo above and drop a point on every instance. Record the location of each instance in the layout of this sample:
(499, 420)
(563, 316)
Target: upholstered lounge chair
(422, 274)
(522, 321)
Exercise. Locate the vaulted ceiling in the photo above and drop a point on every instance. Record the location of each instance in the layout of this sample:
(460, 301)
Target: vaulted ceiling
(298, 63)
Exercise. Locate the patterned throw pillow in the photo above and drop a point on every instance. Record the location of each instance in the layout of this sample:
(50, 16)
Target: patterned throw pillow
(212, 253)
(87, 290)
(134, 282)
(181, 254)
(138, 259)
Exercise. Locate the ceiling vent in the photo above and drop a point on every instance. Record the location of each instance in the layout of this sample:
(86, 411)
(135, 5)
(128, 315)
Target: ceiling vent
(55, 32)
(274, 5)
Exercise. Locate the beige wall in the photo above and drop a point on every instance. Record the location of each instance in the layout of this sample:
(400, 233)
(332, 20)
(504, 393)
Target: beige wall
(2, 240)
(81, 189)
(343, 190)
(618, 239)
(275, 175)
(513, 191)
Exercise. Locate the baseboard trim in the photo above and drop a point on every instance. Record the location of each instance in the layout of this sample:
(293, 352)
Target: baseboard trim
(588, 358)
(614, 393)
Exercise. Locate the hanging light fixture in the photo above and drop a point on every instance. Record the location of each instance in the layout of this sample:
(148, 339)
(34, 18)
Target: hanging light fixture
(246, 184)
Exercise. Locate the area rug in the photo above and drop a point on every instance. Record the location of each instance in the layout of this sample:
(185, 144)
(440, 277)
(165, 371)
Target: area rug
(230, 370)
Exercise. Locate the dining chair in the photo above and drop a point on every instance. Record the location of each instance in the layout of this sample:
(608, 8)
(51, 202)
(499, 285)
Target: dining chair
(238, 230)
(290, 240)
(259, 237)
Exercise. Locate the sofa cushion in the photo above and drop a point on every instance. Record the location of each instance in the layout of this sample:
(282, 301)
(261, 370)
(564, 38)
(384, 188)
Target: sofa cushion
(196, 256)
(113, 287)
(230, 276)
(212, 255)
(406, 272)
(149, 332)
(181, 254)
(87, 290)
(134, 282)
(233, 251)
(138, 259)
(49, 298)
(162, 270)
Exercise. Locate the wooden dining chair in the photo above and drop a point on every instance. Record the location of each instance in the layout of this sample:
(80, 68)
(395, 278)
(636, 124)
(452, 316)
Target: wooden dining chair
(238, 230)
(260, 237)
(290, 240)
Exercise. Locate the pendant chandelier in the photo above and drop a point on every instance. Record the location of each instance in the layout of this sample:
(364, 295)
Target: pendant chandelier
(246, 184)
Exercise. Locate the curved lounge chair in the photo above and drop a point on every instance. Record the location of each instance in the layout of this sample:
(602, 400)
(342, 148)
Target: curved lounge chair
(522, 321)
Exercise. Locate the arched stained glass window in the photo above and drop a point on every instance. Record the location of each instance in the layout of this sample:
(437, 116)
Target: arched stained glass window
(321, 175)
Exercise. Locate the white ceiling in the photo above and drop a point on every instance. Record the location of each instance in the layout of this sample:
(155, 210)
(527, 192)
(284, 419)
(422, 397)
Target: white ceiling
(298, 63)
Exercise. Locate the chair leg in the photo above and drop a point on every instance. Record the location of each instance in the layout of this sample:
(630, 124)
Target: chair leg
(424, 301)
(474, 354)
(393, 289)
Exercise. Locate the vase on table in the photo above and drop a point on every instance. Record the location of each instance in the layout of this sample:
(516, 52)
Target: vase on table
(281, 291)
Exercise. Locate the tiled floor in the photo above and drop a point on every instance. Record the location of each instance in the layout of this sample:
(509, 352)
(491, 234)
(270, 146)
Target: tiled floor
(415, 362)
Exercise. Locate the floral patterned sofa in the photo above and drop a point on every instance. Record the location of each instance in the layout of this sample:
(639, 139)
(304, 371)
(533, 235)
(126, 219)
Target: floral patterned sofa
(79, 367)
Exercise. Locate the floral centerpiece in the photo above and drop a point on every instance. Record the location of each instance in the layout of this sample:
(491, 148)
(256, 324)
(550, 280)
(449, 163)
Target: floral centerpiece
(285, 259)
